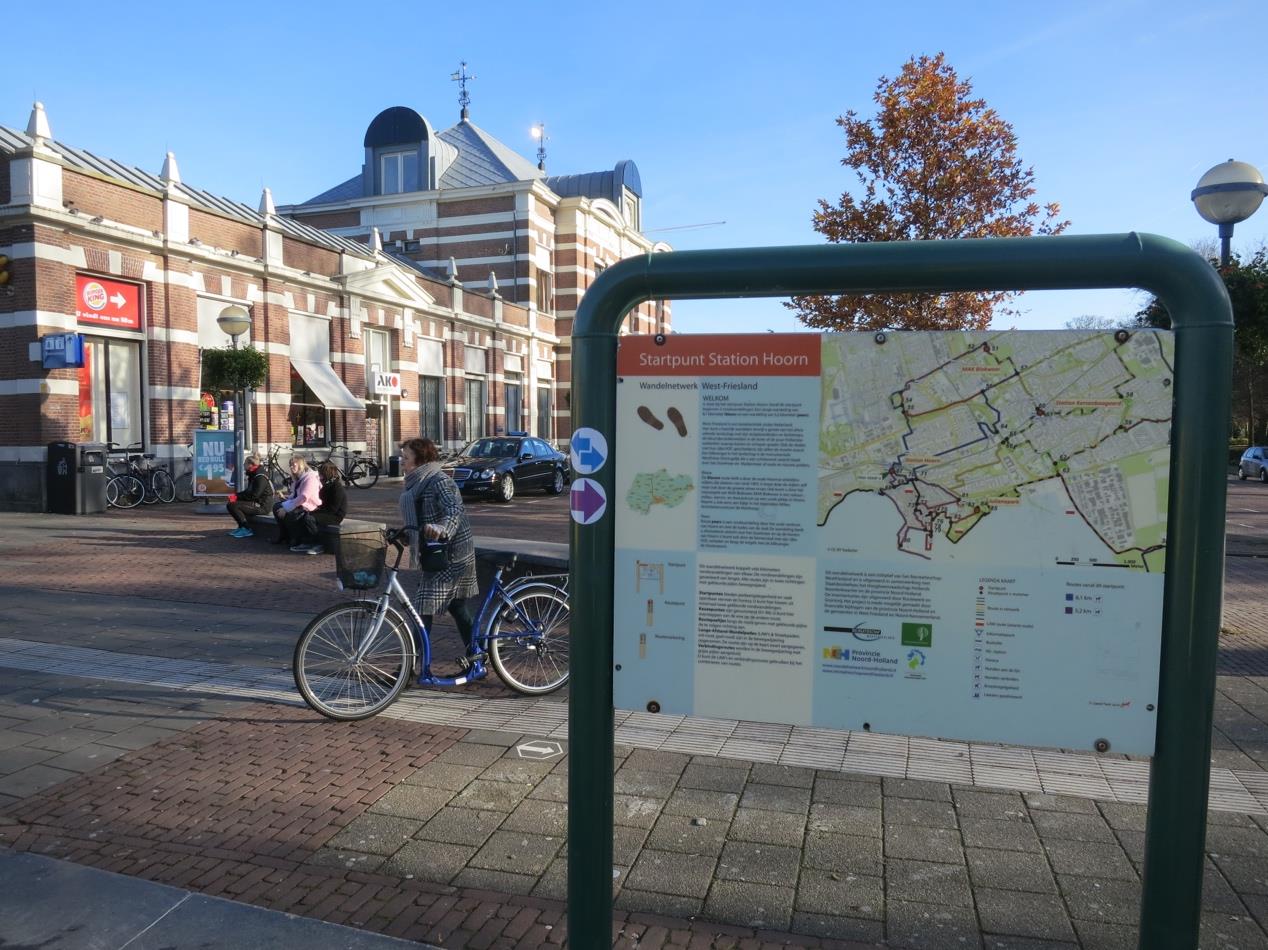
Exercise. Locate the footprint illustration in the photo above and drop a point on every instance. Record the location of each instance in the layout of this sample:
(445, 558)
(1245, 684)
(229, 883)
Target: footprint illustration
(650, 418)
(676, 418)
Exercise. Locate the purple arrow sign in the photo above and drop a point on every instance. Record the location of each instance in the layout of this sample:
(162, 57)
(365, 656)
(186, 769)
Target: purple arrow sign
(588, 501)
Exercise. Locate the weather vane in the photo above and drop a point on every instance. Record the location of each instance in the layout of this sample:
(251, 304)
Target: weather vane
(539, 133)
(464, 97)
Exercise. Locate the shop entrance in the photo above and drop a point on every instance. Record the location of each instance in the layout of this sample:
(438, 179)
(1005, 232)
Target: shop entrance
(110, 392)
(378, 432)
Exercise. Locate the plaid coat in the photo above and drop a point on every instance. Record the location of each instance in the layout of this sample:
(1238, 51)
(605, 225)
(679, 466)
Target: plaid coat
(431, 497)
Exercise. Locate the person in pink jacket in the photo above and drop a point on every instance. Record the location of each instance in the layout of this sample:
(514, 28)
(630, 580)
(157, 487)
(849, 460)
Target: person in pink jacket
(305, 497)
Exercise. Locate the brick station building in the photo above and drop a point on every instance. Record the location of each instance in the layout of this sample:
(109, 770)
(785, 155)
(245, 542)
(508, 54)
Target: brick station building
(449, 261)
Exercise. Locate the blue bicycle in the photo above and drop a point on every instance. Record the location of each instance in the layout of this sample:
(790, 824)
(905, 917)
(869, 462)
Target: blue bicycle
(353, 660)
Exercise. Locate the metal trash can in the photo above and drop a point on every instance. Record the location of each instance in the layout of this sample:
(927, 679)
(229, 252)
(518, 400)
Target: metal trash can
(93, 476)
(61, 478)
(394, 466)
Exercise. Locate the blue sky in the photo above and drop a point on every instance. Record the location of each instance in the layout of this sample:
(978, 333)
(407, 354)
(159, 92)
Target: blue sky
(728, 109)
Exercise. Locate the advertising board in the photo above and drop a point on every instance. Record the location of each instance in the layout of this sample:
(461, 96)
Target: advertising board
(216, 459)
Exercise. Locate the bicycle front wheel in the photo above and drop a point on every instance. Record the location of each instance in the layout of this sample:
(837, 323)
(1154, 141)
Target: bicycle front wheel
(164, 487)
(331, 678)
(185, 488)
(529, 639)
(125, 491)
(364, 474)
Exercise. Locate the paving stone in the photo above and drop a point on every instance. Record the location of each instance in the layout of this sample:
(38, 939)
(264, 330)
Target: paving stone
(845, 820)
(677, 833)
(905, 811)
(765, 773)
(626, 844)
(1031, 915)
(67, 740)
(759, 863)
(139, 737)
(1232, 818)
(853, 854)
(1220, 839)
(346, 860)
(851, 929)
(999, 806)
(1100, 936)
(997, 942)
(519, 771)
(930, 926)
(1089, 859)
(554, 883)
(33, 778)
(465, 826)
(1106, 900)
(644, 783)
(919, 843)
(838, 792)
(750, 905)
(927, 883)
(721, 762)
(444, 775)
(841, 893)
(1227, 932)
(665, 872)
(656, 761)
(517, 852)
(504, 882)
(538, 817)
(412, 801)
(1122, 816)
(700, 803)
(770, 827)
(1216, 893)
(429, 861)
(916, 789)
(85, 758)
(714, 779)
(1011, 870)
(20, 757)
(1248, 875)
(776, 798)
(1258, 906)
(470, 753)
(999, 835)
(650, 902)
(1132, 842)
(491, 796)
(492, 737)
(1057, 824)
(635, 811)
(1042, 801)
(376, 834)
(553, 788)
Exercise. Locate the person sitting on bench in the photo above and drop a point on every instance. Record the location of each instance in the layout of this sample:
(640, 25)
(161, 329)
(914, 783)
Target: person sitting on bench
(305, 497)
(334, 506)
(253, 500)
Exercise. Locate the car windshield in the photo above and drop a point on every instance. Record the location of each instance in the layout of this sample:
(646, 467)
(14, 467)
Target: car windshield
(492, 448)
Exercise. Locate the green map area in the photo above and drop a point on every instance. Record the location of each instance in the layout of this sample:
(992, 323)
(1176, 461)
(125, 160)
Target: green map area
(657, 488)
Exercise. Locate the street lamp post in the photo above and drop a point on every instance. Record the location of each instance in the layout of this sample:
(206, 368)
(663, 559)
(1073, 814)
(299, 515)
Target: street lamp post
(235, 321)
(1228, 193)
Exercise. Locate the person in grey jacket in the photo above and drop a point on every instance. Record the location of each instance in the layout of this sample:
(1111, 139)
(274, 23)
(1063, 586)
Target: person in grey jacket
(431, 505)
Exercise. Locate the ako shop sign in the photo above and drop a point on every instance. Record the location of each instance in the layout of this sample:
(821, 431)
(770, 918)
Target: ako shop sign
(107, 303)
(386, 384)
(216, 455)
(951, 534)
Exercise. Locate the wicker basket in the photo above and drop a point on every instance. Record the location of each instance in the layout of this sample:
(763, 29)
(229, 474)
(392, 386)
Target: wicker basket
(361, 560)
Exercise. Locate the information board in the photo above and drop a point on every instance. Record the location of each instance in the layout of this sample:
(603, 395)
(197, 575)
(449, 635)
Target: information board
(958, 535)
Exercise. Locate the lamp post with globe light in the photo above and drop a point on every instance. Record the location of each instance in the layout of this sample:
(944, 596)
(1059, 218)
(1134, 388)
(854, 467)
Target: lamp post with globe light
(235, 321)
(1227, 194)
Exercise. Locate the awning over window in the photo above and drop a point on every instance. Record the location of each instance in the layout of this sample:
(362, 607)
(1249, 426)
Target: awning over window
(310, 355)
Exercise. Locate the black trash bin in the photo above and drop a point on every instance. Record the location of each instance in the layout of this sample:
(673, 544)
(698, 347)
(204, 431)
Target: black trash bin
(393, 466)
(93, 476)
(61, 478)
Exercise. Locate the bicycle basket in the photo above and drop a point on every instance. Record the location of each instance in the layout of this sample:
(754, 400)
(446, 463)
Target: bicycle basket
(360, 561)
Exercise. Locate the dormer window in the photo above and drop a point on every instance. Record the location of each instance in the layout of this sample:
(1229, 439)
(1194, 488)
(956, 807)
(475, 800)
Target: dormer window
(398, 172)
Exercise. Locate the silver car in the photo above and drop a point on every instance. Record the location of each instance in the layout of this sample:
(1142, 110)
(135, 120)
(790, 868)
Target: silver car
(1254, 463)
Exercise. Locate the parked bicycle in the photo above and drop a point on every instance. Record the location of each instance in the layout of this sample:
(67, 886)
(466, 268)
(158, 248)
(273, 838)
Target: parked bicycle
(185, 481)
(353, 660)
(354, 468)
(280, 477)
(156, 483)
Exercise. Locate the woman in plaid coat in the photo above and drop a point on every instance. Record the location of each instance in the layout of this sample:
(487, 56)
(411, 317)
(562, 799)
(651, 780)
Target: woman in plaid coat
(432, 505)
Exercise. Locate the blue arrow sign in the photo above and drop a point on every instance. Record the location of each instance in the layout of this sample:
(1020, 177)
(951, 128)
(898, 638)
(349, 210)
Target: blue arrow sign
(588, 451)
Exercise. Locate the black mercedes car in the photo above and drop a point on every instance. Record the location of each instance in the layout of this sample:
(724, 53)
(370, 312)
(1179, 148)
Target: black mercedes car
(505, 464)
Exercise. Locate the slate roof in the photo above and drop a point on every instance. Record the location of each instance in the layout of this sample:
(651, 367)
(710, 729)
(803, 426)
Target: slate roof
(482, 159)
(11, 140)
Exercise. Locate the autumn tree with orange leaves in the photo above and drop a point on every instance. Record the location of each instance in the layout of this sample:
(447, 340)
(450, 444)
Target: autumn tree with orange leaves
(932, 164)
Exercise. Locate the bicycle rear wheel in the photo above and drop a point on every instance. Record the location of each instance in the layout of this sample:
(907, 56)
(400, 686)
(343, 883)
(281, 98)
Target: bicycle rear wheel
(330, 678)
(185, 487)
(124, 491)
(529, 639)
(364, 473)
(164, 487)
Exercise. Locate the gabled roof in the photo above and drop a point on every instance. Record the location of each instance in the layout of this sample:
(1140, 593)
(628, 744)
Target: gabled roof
(482, 159)
(11, 140)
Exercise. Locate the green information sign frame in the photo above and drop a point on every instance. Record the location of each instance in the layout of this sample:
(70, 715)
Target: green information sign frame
(1202, 319)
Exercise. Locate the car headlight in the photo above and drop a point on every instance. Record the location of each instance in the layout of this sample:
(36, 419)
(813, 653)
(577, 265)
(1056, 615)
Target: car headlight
(488, 473)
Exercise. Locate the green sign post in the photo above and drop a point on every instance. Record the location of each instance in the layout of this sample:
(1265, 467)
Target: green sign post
(1202, 319)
